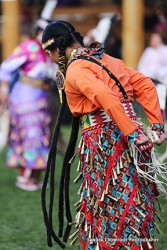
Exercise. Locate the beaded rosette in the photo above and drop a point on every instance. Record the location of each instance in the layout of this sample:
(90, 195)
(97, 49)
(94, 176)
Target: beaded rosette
(60, 81)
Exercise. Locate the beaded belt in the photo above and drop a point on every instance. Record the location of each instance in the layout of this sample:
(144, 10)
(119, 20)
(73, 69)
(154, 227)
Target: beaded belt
(34, 82)
(100, 117)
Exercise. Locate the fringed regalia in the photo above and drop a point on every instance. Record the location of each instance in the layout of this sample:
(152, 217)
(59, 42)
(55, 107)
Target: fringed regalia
(116, 207)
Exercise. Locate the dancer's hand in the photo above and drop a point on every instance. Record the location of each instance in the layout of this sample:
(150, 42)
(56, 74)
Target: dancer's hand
(162, 137)
(3, 96)
(143, 142)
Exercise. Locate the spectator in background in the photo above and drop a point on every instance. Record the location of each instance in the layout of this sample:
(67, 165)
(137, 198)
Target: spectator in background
(153, 63)
(29, 135)
(105, 33)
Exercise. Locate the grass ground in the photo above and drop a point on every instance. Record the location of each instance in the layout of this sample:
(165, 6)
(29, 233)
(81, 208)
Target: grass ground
(21, 219)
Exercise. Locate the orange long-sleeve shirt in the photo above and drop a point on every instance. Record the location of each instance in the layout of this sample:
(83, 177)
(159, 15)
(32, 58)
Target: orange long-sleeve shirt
(88, 87)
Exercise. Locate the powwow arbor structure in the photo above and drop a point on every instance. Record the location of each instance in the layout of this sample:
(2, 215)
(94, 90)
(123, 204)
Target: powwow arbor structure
(83, 16)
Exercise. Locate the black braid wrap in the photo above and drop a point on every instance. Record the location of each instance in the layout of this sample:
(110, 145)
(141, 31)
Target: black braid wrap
(50, 169)
(65, 175)
(65, 180)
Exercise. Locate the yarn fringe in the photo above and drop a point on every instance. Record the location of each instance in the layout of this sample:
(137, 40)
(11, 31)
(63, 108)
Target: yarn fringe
(154, 170)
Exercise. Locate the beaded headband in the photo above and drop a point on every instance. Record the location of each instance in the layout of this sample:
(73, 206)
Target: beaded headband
(48, 43)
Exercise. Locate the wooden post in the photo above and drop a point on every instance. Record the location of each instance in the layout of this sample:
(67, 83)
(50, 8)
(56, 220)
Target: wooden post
(10, 26)
(132, 31)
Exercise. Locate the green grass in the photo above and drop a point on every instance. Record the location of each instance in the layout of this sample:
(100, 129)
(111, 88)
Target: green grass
(21, 219)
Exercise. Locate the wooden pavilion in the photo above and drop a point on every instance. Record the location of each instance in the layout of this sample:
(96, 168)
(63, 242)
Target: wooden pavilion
(84, 17)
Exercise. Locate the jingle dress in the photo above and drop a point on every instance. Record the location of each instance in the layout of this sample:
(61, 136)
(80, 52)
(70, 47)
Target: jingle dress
(28, 105)
(116, 207)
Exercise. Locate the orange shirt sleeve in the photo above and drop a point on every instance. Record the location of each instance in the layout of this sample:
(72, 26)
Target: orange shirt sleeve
(87, 87)
(146, 94)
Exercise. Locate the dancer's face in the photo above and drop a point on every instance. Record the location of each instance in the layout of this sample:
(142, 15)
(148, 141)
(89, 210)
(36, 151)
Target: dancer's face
(155, 40)
(54, 55)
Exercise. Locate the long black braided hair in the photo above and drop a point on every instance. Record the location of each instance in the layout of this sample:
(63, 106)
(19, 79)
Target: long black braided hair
(59, 35)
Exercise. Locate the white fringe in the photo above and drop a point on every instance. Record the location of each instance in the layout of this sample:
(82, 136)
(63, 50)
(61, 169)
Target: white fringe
(155, 170)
